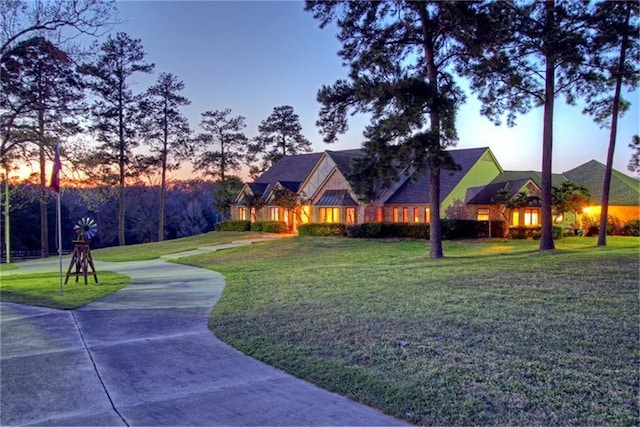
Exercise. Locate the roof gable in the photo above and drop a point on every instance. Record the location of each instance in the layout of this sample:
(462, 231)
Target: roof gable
(290, 169)
(410, 192)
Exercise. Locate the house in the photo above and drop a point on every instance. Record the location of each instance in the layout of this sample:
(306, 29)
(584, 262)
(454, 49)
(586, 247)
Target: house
(317, 190)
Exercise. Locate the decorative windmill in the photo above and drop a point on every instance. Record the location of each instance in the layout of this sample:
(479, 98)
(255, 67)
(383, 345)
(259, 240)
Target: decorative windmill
(86, 229)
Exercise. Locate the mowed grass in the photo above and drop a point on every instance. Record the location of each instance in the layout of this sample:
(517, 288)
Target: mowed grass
(147, 251)
(43, 289)
(496, 333)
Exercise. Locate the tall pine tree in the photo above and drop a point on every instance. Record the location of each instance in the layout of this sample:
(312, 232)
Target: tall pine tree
(166, 131)
(116, 118)
(401, 55)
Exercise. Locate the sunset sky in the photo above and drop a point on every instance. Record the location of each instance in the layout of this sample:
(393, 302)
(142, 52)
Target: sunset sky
(253, 56)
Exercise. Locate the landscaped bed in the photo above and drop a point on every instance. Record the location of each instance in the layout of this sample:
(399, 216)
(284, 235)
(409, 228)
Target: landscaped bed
(495, 333)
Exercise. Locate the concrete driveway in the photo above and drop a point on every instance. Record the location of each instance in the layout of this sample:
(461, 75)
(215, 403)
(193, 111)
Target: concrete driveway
(145, 356)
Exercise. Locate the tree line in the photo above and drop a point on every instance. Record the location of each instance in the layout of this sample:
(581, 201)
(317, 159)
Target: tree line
(53, 92)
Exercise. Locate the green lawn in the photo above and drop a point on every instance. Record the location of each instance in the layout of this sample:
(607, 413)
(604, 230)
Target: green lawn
(146, 251)
(10, 266)
(43, 289)
(495, 333)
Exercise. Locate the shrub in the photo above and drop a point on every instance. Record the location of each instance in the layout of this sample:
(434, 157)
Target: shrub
(532, 233)
(631, 228)
(322, 229)
(269, 226)
(233, 225)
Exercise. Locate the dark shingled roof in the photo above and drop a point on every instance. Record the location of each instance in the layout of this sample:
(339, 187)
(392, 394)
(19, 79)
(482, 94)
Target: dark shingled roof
(536, 177)
(624, 191)
(257, 188)
(290, 168)
(487, 193)
(344, 159)
(336, 198)
(418, 192)
(290, 185)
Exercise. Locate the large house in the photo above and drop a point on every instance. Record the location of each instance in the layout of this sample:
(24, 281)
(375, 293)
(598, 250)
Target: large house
(319, 186)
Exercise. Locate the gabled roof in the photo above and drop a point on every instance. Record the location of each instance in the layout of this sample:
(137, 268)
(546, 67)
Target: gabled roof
(624, 190)
(418, 192)
(486, 194)
(344, 159)
(290, 169)
(336, 198)
(536, 177)
(257, 188)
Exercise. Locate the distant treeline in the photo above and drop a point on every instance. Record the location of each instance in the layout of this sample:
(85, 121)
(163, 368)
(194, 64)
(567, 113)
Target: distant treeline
(189, 210)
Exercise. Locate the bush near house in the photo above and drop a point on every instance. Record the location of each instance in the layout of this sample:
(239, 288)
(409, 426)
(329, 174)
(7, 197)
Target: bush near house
(532, 233)
(322, 229)
(631, 228)
(452, 229)
(233, 225)
(269, 226)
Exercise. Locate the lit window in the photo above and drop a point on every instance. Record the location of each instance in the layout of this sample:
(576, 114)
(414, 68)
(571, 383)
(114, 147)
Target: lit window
(515, 217)
(379, 215)
(416, 214)
(242, 214)
(405, 214)
(329, 214)
(483, 214)
(560, 218)
(274, 214)
(305, 214)
(350, 214)
(395, 215)
(531, 217)
(427, 215)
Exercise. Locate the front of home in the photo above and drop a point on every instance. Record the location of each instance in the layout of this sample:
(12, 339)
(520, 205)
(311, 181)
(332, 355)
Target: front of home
(313, 188)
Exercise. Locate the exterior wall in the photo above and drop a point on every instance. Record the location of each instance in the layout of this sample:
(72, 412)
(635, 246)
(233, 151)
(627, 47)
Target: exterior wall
(620, 213)
(318, 176)
(333, 181)
(482, 173)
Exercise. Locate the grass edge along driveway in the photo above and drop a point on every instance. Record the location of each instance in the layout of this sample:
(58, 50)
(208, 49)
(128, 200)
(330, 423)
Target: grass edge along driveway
(495, 333)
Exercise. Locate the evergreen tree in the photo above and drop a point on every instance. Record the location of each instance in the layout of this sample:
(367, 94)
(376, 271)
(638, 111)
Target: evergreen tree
(167, 131)
(615, 63)
(41, 78)
(223, 148)
(116, 118)
(400, 55)
(280, 135)
(525, 54)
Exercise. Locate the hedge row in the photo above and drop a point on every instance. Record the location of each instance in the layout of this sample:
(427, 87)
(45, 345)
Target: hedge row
(322, 229)
(451, 229)
(532, 233)
(240, 225)
(269, 226)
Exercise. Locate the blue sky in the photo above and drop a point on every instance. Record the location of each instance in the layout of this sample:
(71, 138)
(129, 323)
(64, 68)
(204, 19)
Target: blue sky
(253, 56)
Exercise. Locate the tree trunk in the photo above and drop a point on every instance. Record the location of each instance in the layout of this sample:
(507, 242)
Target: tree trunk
(435, 233)
(7, 214)
(606, 186)
(163, 192)
(546, 237)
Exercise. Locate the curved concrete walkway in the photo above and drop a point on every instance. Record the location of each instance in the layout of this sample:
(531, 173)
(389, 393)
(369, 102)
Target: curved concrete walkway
(145, 356)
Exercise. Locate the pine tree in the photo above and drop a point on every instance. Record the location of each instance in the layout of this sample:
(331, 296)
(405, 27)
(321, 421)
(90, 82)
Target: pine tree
(401, 55)
(525, 54)
(116, 118)
(280, 135)
(167, 131)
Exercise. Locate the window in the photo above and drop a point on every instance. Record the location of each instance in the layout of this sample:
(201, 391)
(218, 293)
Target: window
(242, 214)
(379, 215)
(483, 214)
(305, 214)
(274, 214)
(395, 215)
(329, 214)
(416, 214)
(350, 214)
(405, 214)
(427, 215)
(531, 216)
(515, 217)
